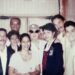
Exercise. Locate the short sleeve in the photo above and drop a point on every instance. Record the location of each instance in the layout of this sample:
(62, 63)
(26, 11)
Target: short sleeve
(12, 61)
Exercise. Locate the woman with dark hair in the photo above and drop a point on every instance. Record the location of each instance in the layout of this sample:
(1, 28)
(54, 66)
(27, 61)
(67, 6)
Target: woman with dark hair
(52, 63)
(22, 62)
(14, 39)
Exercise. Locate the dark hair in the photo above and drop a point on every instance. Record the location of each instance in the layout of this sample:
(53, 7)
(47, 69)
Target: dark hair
(41, 27)
(50, 27)
(2, 29)
(19, 21)
(11, 33)
(58, 16)
(25, 35)
(69, 23)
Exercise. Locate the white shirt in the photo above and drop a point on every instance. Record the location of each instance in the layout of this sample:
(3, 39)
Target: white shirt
(74, 65)
(37, 52)
(65, 45)
(3, 55)
(20, 65)
(70, 62)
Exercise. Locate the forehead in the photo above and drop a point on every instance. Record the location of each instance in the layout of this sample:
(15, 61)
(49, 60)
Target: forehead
(14, 21)
(33, 27)
(70, 28)
(2, 33)
(47, 31)
(25, 38)
(14, 35)
(57, 20)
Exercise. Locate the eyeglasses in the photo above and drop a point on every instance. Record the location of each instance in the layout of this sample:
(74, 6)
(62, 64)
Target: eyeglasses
(31, 31)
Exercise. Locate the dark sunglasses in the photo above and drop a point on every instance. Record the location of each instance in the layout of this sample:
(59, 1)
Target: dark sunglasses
(31, 31)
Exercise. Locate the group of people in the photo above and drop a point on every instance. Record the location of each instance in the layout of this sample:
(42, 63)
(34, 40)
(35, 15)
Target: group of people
(44, 50)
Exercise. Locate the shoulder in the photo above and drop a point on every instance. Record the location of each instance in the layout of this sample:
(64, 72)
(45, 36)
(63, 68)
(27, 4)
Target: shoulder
(9, 48)
(57, 41)
(15, 55)
(42, 42)
(57, 44)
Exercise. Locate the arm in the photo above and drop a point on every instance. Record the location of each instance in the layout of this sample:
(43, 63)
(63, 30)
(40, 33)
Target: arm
(37, 71)
(11, 71)
(74, 65)
(59, 58)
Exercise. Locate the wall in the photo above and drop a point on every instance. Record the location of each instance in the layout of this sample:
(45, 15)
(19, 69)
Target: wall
(71, 10)
(30, 11)
(29, 7)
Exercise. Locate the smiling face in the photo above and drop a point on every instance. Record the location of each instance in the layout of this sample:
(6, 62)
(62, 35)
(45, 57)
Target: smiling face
(15, 25)
(70, 32)
(48, 35)
(59, 24)
(34, 32)
(14, 40)
(25, 43)
(3, 38)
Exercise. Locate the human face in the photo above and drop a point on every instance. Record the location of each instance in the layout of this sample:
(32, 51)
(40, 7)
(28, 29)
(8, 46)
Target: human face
(25, 43)
(70, 32)
(34, 34)
(41, 34)
(15, 25)
(48, 35)
(14, 40)
(3, 38)
(59, 24)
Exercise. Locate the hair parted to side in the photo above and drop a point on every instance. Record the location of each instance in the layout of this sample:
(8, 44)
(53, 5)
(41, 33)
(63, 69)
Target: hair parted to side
(58, 16)
(51, 27)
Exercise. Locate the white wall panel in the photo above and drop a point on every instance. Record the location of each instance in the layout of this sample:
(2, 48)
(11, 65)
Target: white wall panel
(38, 21)
(29, 7)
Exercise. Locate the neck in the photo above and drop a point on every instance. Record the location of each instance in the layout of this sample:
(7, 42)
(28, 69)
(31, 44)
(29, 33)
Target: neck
(50, 40)
(14, 47)
(2, 48)
(61, 29)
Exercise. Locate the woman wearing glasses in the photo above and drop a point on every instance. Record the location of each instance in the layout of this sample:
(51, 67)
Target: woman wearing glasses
(37, 45)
